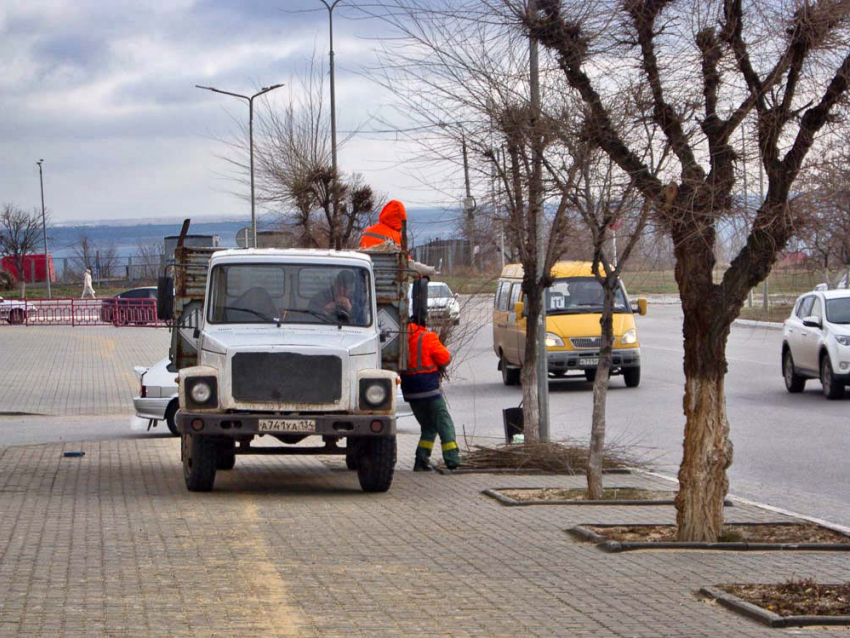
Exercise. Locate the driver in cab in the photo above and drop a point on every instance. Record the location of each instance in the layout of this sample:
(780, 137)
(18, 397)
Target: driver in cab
(335, 301)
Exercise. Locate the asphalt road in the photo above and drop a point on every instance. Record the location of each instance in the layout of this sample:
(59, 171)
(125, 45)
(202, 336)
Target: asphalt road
(790, 451)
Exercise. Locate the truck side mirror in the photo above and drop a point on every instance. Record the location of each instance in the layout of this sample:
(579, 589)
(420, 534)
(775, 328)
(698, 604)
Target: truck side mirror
(165, 298)
(419, 307)
(642, 306)
(519, 309)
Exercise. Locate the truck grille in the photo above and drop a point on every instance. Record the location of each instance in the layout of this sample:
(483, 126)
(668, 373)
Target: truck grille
(286, 377)
(586, 342)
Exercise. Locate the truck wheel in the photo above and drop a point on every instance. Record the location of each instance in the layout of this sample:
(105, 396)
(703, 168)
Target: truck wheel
(590, 375)
(351, 460)
(170, 416)
(199, 461)
(632, 377)
(226, 457)
(376, 463)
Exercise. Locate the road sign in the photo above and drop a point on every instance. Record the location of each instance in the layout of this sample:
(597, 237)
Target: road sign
(245, 238)
(388, 326)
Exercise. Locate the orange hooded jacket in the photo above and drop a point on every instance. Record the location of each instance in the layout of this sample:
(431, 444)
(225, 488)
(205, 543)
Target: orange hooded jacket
(421, 380)
(388, 226)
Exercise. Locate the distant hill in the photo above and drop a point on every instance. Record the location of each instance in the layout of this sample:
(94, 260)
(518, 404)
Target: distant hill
(423, 226)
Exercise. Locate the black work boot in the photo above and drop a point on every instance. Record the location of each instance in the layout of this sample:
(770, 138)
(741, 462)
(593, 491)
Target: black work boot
(422, 466)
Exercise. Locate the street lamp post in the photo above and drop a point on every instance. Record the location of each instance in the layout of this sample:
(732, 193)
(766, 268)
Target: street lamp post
(250, 100)
(44, 228)
(330, 7)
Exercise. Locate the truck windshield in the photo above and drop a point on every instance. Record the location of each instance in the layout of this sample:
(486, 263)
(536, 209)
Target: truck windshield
(290, 293)
(580, 294)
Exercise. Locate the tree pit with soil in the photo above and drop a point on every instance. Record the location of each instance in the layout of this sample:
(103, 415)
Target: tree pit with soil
(794, 603)
(736, 536)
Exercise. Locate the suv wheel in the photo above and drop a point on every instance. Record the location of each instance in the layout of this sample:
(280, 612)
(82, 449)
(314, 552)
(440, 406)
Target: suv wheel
(16, 316)
(376, 463)
(832, 389)
(199, 460)
(510, 376)
(793, 382)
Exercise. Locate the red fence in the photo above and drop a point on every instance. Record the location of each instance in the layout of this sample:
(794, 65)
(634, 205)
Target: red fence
(80, 312)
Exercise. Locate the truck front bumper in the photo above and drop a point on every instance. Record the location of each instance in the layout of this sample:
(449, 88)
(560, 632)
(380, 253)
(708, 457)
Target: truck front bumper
(240, 424)
(566, 360)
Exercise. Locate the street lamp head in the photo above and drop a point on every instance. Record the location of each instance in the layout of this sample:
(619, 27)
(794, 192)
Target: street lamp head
(272, 87)
(39, 162)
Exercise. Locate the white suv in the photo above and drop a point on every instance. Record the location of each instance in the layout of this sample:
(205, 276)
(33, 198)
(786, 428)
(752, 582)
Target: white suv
(816, 342)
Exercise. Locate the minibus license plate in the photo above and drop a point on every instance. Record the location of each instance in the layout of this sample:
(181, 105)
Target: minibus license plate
(590, 361)
(287, 425)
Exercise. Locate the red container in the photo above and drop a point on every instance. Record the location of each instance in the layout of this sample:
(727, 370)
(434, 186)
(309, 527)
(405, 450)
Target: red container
(34, 268)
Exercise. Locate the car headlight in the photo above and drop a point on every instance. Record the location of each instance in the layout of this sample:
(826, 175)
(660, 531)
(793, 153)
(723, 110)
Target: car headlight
(844, 340)
(375, 393)
(201, 392)
(553, 340)
(629, 336)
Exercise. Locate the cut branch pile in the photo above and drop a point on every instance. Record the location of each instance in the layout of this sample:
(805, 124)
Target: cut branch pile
(564, 457)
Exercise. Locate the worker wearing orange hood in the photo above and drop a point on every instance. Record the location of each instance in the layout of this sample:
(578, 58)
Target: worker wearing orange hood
(388, 227)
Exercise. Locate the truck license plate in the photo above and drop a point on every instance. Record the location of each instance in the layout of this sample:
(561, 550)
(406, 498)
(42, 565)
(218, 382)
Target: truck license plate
(590, 361)
(287, 425)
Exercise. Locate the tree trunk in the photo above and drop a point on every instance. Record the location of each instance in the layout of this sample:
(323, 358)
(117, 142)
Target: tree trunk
(703, 483)
(530, 403)
(600, 396)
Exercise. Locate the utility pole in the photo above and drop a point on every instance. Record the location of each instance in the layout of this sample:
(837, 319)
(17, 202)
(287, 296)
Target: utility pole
(250, 100)
(541, 354)
(330, 8)
(44, 229)
(746, 204)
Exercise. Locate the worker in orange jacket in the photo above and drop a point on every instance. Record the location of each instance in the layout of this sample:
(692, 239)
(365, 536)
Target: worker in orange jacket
(420, 385)
(388, 227)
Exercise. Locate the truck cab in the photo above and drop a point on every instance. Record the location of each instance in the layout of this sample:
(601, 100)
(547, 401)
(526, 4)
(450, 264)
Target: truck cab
(287, 344)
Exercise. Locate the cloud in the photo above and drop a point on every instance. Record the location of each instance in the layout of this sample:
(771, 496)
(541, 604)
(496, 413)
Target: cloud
(104, 91)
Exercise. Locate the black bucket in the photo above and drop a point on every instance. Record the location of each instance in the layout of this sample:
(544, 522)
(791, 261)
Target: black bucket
(514, 423)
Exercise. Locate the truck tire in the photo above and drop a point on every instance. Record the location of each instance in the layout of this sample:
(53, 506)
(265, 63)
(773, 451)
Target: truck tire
(376, 463)
(199, 460)
(170, 416)
(632, 377)
(226, 457)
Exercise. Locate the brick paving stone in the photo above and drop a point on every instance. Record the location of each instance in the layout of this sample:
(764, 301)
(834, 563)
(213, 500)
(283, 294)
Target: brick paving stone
(112, 545)
(64, 370)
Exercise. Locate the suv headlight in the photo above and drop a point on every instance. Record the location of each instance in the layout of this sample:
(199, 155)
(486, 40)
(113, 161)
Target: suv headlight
(553, 340)
(844, 340)
(629, 337)
(201, 392)
(375, 394)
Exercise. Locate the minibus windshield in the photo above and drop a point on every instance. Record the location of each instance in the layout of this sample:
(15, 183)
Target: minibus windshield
(580, 295)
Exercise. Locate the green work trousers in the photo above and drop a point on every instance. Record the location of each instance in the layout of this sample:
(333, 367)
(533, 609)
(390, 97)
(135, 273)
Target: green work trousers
(434, 418)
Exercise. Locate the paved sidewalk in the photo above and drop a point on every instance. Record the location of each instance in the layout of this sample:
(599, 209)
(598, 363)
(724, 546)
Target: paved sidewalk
(60, 370)
(111, 544)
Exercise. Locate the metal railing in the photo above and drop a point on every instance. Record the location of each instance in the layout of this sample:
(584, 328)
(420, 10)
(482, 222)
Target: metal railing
(81, 312)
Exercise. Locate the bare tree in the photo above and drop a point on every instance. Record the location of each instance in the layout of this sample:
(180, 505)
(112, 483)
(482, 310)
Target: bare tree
(294, 171)
(20, 234)
(102, 260)
(151, 256)
(707, 67)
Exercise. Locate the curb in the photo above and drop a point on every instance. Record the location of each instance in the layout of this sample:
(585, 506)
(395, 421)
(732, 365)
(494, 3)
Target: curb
(625, 546)
(766, 617)
(773, 325)
(495, 493)
(520, 472)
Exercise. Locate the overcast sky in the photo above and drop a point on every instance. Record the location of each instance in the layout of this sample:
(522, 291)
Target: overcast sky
(103, 90)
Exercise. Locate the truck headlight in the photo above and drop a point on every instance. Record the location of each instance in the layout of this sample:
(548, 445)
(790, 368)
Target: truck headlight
(553, 340)
(629, 337)
(374, 394)
(201, 392)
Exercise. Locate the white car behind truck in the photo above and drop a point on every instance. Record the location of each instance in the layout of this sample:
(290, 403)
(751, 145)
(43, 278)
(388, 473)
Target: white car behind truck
(265, 347)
